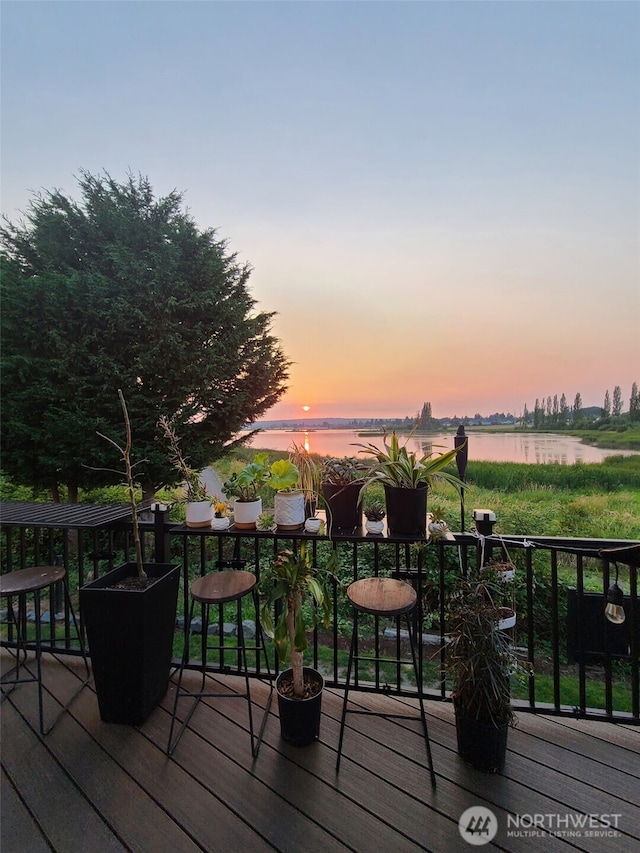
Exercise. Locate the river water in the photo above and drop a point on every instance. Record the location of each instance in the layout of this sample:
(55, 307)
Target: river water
(483, 446)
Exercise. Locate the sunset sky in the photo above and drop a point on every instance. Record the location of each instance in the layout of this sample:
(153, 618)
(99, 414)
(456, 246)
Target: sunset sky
(441, 200)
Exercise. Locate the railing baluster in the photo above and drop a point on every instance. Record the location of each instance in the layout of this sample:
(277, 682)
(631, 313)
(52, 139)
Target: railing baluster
(372, 555)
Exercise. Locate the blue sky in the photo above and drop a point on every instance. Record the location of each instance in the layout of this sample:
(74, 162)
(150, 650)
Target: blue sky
(441, 200)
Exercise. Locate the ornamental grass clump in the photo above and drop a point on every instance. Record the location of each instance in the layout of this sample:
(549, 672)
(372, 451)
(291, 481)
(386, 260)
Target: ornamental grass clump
(480, 659)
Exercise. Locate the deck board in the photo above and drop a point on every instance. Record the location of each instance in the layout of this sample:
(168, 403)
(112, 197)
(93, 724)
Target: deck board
(89, 785)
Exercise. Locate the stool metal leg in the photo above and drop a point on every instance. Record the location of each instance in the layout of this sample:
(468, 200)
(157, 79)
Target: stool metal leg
(22, 644)
(423, 715)
(256, 739)
(353, 657)
(345, 699)
(171, 745)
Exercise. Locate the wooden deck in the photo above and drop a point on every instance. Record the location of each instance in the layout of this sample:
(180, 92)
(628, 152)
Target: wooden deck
(94, 787)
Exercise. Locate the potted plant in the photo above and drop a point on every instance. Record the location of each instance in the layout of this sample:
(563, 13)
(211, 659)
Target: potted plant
(301, 592)
(245, 487)
(480, 662)
(374, 514)
(288, 503)
(220, 520)
(313, 524)
(309, 476)
(437, 525)
(266, 521)
(129, 615)
(198, 504)
(342, 482)
(407, 478)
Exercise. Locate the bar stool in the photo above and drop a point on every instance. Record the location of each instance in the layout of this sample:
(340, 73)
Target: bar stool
(218, 588)
(20, 584)
(383, 597)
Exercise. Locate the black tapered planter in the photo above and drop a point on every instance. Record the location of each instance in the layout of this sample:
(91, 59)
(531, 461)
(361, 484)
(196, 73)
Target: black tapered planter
(482, 745)
(130, 637)
(406, 510)
(343, 510)
(300, 718)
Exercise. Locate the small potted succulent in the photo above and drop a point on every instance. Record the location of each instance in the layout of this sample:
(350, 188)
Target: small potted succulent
(266, 521)
(313, 524)
(374, 514)
(221, 509)
(437, 526)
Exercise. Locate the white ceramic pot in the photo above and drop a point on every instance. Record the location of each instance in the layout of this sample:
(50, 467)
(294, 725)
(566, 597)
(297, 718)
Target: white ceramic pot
(199, 513)
(220, 523)
(288, 508)
(312, 525)
(245, 513)
(508, 619)
(506, 575)
(374, 526)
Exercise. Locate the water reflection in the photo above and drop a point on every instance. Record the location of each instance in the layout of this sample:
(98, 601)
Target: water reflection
(494, 447)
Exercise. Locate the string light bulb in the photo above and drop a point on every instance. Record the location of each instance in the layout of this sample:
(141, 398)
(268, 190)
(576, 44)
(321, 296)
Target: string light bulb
(614, 610)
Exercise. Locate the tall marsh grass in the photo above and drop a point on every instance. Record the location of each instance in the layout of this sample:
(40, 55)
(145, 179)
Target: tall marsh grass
(595, 500)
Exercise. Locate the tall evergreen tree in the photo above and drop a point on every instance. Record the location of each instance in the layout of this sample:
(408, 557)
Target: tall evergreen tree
(425, 418)
(122, 290)
(606, 406)
(616, 405)
(634, 404)
(577, 409)
(564, 411)
(538, 414)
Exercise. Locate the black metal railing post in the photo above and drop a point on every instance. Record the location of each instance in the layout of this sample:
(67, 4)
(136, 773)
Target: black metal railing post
(161, 538)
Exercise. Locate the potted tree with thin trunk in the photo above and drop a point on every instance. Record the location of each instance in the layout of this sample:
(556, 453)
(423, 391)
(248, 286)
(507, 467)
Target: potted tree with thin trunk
(301, 593)
(129, 615)
(198, 505)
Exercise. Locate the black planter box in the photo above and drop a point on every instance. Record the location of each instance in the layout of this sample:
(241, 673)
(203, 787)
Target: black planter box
(343, 510)
(406, 510)
(300, 718)
(130, 638)
(482, 745)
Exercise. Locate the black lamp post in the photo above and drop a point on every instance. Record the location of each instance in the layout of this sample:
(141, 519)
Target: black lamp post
(461, 442)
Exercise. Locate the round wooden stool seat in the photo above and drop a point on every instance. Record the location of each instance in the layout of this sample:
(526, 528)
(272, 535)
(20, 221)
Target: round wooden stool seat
(220, 587)
(382, 596)
(20, 584)
(30, 580)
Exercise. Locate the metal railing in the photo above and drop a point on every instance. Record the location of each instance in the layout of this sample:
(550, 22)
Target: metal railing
(581, 664)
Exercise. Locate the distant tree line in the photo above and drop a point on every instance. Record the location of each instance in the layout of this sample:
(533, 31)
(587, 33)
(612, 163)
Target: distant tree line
(556, 413)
